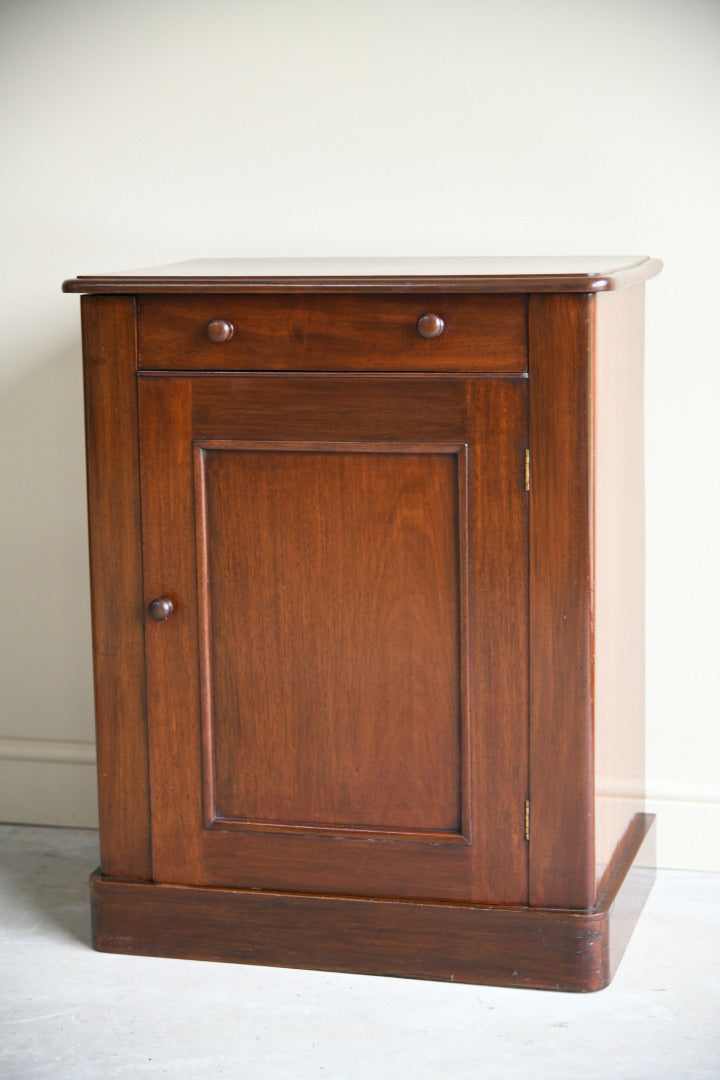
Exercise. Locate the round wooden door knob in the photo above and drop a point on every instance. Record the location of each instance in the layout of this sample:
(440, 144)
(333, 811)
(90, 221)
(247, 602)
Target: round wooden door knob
(161, 609)
(430, 325)
(220, 330)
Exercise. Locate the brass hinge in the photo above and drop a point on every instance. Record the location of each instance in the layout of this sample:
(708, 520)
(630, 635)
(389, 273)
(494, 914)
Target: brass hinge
(527, 470)
(527, 819)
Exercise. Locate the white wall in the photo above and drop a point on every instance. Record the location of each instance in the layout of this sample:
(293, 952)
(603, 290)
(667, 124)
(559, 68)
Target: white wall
(154, 130)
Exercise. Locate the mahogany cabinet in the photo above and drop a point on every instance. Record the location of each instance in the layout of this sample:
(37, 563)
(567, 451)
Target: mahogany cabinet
(366, 547)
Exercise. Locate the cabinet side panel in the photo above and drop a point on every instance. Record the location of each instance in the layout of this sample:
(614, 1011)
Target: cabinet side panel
(562, 872)
(110, 362)
(619, 542)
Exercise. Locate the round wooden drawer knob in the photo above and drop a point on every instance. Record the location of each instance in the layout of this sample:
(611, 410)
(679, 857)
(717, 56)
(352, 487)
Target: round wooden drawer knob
(430, 326)
(220, 330)
(161, 609)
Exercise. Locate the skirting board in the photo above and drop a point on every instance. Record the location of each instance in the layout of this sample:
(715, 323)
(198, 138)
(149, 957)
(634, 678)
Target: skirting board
(47, 782)
(688, 833)
(522, 947)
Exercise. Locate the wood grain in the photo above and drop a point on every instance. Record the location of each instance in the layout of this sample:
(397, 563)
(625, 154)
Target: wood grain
(498, 636)
(171, 647)
(110, 360)
(334, 603)
(329, 408)
(520, 947)
(375, 643)
(618, 560)
(562, 869)
(334, 333)
(418, 687)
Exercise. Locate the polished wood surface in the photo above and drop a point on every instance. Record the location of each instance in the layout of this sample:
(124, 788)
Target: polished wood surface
(505, 946)
(219, 331)
(587, 589)
(367, 615)
(460, 274)
(332, 333)
(343, 727)
(430, 325)
(334, 627)
(110, 352)
(562, 868)
(618, 561)
(161, 609)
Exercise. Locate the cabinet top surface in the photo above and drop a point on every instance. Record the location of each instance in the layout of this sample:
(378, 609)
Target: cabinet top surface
(573, 273)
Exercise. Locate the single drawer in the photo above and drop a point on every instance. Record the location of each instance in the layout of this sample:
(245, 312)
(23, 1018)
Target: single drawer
(339, 332)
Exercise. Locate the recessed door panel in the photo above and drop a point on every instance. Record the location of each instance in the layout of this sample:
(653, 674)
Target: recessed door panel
(337, 702)
(331, 587)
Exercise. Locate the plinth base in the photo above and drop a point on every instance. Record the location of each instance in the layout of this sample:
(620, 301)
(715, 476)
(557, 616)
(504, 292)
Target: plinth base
(469, 943)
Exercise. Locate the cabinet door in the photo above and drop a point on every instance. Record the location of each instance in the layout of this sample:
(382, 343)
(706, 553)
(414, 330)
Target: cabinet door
(338, 700)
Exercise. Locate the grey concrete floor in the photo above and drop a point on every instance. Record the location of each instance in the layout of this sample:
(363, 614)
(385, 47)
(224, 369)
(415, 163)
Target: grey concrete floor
(69, 1012)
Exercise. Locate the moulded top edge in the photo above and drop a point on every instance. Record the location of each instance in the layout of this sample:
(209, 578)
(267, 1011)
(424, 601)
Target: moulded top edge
(457, 274)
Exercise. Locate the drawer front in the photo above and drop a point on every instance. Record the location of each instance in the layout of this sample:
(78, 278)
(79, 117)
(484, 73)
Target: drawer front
(306, 332)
